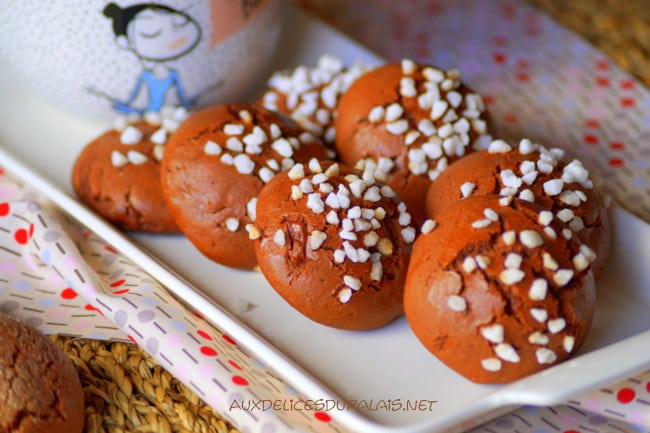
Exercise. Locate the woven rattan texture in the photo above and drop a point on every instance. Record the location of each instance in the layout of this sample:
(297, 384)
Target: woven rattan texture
(127, 391)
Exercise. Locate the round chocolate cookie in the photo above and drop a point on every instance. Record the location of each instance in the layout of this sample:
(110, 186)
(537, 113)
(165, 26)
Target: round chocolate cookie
(39, 386)
(496, 293)
(118, 173)
(409, 121)
(215, 165)
(535, 174)
(334, 246)
(310, 94)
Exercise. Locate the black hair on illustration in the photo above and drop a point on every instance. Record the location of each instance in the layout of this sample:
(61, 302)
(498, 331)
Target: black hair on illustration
(121, 17)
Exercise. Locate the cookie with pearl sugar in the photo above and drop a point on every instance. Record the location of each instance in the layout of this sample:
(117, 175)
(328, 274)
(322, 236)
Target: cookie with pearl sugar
(214, 167)
(409, 121)
(334, 245)
(310, 94)
(494, 294)
(118, 173)
(533, 173)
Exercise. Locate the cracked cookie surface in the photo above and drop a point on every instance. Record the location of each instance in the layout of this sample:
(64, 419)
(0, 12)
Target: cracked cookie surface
(118, 176)
(39, 387)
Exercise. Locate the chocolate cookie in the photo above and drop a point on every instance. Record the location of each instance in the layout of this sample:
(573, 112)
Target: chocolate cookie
(215, 165)
(118, 173)
(310, 94)
(409, 121)
(39, 386)
(333, 245)
(496, 292)
(535, 174)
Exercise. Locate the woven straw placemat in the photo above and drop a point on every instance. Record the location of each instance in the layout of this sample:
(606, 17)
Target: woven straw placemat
(127, 391)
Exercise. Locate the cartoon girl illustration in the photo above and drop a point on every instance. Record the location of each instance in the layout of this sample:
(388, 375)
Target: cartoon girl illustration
(156, 34)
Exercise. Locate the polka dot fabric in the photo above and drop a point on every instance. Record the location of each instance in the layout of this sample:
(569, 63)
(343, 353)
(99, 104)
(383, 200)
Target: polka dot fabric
(538, 79)
(63, 279)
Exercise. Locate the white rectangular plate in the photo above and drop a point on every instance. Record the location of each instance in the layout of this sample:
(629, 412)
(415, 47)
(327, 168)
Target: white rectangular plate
(388, 363)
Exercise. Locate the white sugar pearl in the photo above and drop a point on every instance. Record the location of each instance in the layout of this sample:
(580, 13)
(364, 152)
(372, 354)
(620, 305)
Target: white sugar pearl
(243, 164)
(232, 224)
(553, 187)
(212, 148)
(352, 282)
(530, 238)
(499, 146)
(131, 135)
(538, 289)
(467, 188)
(493, 333)
(511, 276)
(506, 352)
(279, 238)
(539, 314)
(491, 364)
(457, 303)
(545, 355)
(345, 295)
(136, 157)
(233, 129)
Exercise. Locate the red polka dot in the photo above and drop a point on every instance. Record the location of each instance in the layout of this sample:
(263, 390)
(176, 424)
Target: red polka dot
(616, 145)
(204, 334)
(510, 118)
(591, 139)
(433, 8)
(488, 99)
(90, 308)
(500, 41)
(571, 431)
(68, 293)
(592, 123)
(422, 51)
(523, 77)
(603, 65)
(4, 209)
(616, 162)
(117, 283)
(121, 291)
(647, 387)
(229, 339)
(208, 351)
(625, 395)
(628, 102)
(21, 236)
(499, 58)
(627, 84)
(238, 380)
(602, 81)
(234, 364)
(110, 249)
(322, 416)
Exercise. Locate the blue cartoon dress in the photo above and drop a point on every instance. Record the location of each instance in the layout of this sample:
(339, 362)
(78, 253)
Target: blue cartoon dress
(157, 89)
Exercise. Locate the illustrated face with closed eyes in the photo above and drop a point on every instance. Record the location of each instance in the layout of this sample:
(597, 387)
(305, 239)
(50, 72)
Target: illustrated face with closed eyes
(160, 35)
